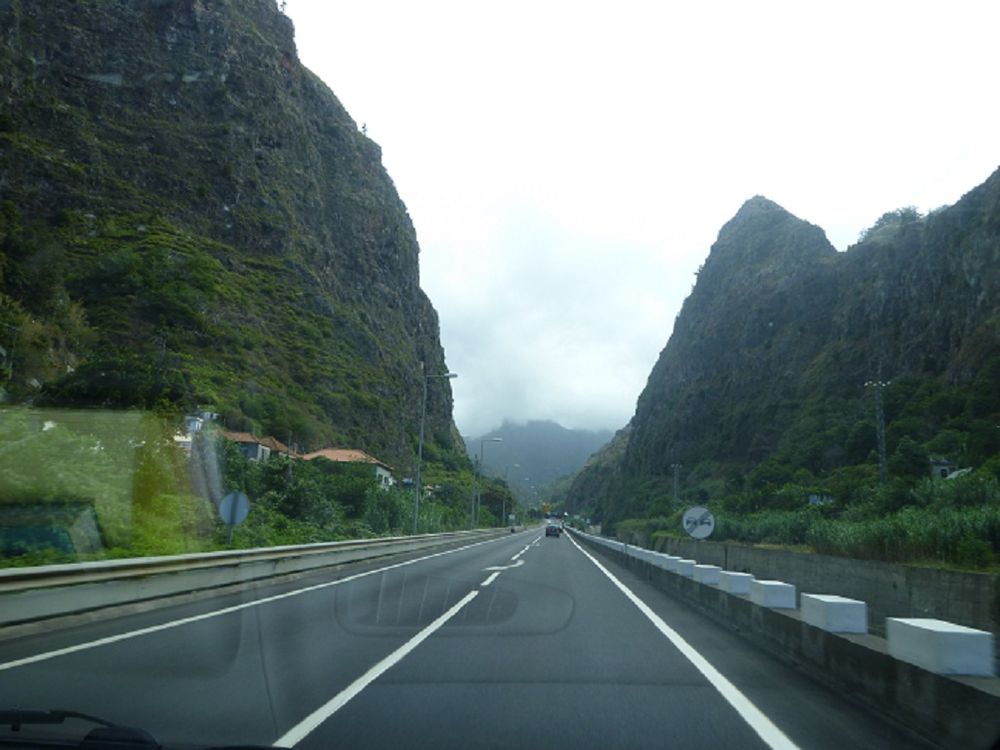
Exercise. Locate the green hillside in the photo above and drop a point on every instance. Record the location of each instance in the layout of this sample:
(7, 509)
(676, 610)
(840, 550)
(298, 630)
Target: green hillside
(189, 217)
(191, 222)
(760, 396)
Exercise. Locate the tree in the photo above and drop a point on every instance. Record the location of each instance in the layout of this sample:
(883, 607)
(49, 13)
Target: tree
(910, 459)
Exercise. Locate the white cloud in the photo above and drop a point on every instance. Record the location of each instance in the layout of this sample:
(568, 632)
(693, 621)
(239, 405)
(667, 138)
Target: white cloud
(567, 165)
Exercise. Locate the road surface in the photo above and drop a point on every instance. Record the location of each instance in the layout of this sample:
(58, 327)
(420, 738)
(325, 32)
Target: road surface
(522, 641)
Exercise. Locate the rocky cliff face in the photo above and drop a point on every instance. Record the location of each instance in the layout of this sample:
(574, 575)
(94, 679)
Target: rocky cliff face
(191, 217)
(768, 359)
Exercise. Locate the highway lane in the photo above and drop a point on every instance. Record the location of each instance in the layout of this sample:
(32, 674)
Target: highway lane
(249, 674)
(576, 665)
(548, 653)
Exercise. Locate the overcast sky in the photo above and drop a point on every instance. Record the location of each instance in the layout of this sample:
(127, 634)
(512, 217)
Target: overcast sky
(567, 165)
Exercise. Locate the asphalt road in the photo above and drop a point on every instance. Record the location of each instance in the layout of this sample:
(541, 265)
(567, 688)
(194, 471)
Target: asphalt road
(519, 642)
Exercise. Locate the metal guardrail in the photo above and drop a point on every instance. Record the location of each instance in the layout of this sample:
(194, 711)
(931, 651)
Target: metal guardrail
(36, 593)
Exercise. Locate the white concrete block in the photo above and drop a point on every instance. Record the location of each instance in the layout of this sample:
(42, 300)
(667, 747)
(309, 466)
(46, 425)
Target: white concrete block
(707, 574)
(941, 647)
(685, 567)
(835, 614)
(735, 583)
(667, 561)
(670, 563)
(774, 594)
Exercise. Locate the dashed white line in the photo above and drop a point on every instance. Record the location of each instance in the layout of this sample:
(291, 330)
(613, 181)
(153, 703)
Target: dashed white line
(301, 730)
(526, 548)
(491, 579)
(219, 612)
(752, 715)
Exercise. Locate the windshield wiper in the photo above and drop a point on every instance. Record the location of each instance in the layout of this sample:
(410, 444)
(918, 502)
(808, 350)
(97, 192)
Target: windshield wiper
(16, 718)
(107, 736)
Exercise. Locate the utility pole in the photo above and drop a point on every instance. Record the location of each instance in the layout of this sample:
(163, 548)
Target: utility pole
(676, 468)
(879, 386)
(480, 465)
(420, 445)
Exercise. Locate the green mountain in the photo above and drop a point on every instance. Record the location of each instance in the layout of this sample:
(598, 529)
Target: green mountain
(534, 454)
(762, 384)
(188, 216)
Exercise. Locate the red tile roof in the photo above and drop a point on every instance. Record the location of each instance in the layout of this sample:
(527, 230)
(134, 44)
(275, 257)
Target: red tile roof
(239, 437)
(245, 437)
(275, 445)
(345, 455)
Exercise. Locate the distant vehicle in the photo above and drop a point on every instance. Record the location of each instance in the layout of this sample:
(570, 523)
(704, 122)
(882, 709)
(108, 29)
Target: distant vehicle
(552, 529)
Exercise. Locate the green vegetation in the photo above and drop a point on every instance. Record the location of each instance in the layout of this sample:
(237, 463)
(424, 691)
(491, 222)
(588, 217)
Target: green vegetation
(955, 523)
(96, 484)
(764, 398)
(227, 239)
(911, 518)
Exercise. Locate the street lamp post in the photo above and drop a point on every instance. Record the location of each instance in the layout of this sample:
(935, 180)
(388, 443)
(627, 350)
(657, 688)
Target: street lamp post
(420, 445)
(676, 468)
(479, 463)
(879, 386)
(503, 507)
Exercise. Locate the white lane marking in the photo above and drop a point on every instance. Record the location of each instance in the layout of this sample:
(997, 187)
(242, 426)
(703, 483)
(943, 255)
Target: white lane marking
(491, 579)
(224, 611)
(526, 548)
(301, 730)
(752, 715)
(518, 564)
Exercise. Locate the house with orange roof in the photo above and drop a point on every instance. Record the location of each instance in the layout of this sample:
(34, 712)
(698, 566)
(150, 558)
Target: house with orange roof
(255, 448)
(383, 472)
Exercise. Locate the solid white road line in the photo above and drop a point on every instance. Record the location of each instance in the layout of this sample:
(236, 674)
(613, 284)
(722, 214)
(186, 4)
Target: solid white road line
(491, 579)
(752, 715)
(225, 611)
(301, 730)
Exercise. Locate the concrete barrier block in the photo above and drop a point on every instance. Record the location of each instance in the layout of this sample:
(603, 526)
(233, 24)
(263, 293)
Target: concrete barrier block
(835, 614)
(775, 594)
(735, 583)
(685, 567)
(667, 562)
(941, 647)
(707, 574)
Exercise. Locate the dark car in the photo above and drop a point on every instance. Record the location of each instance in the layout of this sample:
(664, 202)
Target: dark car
(552, 529)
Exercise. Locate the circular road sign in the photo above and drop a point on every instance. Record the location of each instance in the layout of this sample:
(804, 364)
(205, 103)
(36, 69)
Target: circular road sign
(234, 508)
(698, 522)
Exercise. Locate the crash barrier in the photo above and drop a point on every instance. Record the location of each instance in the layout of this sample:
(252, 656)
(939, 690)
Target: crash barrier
(941, 647)
(935, 678)
(46, 591)
(891, 589)
(775, 594)
(835, 614)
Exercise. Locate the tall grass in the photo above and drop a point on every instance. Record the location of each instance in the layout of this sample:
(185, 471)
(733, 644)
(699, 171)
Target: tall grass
(956, 522)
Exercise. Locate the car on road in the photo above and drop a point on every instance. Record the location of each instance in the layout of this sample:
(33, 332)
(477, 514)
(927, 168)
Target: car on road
(552, 528)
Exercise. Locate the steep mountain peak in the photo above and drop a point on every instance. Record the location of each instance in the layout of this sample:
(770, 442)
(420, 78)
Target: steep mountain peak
(761, 383)
(759, 204)
(762, 241)
(763, 229)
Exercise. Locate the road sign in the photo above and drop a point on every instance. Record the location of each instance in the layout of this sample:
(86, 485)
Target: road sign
(698, 522)
(234, 508)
